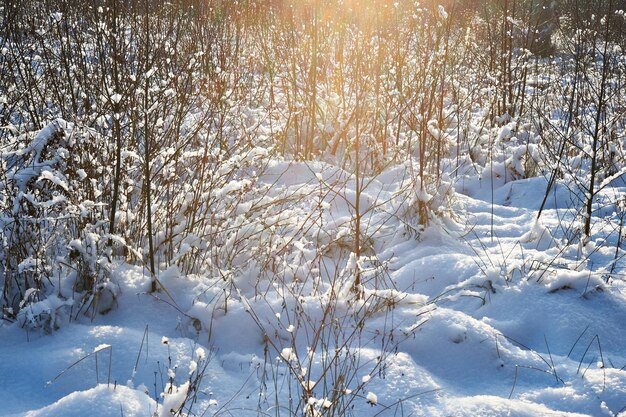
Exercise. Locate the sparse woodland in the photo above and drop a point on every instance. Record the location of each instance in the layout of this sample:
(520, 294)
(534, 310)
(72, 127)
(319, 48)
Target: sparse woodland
(286, 162)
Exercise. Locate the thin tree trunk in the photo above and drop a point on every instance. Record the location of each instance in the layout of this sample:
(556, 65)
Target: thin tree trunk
(596, 130)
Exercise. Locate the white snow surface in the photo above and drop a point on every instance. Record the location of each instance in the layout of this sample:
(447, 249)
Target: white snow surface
(492, 316)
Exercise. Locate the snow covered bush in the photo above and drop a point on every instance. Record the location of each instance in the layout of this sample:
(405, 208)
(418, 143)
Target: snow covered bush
(312, 342)
(142, 103)
(50, 226)
(178, 400)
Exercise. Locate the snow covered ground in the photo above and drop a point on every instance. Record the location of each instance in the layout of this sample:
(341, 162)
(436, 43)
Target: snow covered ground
(484, 313)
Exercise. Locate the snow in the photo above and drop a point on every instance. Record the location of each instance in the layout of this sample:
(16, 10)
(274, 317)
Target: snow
(283, 289)
(472, 328)
(101, 347)
(54, 178)
(442, 12)
(101, 401)
(173, 399)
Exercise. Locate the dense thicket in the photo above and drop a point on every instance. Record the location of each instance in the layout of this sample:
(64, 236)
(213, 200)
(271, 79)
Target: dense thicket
(136, 129)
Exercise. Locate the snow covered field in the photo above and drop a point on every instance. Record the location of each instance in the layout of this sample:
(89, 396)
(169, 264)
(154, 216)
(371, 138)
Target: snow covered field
(312, 208)
(486, 314)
